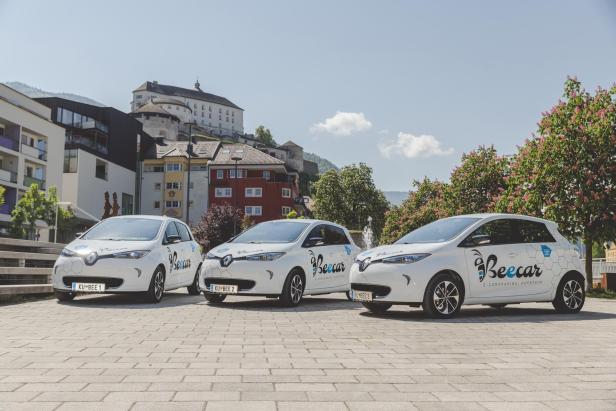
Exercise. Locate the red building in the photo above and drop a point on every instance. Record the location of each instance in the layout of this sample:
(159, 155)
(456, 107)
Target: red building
(265, 189)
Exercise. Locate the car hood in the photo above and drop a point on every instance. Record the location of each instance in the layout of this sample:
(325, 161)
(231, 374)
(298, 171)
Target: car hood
(104, 247)
(383, 251)
(242, 249)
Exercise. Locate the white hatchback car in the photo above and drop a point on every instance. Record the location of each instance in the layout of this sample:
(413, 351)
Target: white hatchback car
(148, 254)
(281, 258)
(491, 259)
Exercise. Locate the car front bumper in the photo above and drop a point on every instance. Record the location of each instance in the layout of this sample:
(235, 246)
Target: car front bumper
(391, 283)
(252, 278)
(118, 275)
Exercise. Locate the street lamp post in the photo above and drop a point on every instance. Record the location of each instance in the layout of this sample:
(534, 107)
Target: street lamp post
(55, 227)
(235, 157)
(190, 151)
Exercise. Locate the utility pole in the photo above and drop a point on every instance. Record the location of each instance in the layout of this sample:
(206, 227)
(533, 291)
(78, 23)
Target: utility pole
(235, 157)
(190, 151)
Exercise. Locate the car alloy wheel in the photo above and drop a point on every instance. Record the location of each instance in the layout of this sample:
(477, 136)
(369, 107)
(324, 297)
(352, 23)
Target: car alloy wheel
(159, 285)
(573, 294)
(297, 288)
(446, 297)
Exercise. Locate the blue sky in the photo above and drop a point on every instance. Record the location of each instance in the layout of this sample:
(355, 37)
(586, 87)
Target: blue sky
(417, 83)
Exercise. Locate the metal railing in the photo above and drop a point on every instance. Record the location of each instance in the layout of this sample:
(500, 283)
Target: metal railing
(28, 181)
(600, 266)
(26, 266)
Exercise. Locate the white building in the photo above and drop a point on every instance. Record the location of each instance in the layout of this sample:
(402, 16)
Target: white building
(216, 114)
(31, 147)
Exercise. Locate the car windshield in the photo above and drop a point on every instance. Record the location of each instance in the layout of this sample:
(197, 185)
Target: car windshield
(438, 231)
(272, 232)
(125, 229)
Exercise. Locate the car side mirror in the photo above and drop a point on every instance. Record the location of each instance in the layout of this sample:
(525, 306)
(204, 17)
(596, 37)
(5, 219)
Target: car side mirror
(314, 241)
(481, 239)
(172, 239)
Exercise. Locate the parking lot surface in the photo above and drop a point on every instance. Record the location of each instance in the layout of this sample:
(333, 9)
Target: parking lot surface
(109, 352)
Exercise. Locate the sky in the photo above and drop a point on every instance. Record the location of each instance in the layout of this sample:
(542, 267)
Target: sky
(404, 86)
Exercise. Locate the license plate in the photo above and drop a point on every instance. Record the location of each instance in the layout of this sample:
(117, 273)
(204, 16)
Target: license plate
(223, 288)
(88, 287)
(362, 295)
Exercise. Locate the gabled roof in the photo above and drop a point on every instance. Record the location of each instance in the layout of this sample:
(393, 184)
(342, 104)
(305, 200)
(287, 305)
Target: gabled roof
(151, 108)
(201, 149)
(250, 156)
(290, 144)
(185, 92)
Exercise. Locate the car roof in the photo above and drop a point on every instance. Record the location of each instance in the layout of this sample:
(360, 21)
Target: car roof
(146, 216)
(306, 220)
(485, 216)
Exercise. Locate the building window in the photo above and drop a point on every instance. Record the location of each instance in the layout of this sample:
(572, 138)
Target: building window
(253, 210)
(220, 174)
(70, 160)
(174, 167)
(101, 169)
(191, 185)
(174, 185)
(153, 169)
(139, 96)
(266, 174)
(253, 192)
(156, 204)
(157, 186)
(127, 204)
(172, 204)
(223, 192)
(286, 210)
(286, 192)
(240, 173)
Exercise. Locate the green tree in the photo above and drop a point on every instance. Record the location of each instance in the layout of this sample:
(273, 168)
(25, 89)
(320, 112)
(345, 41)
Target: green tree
(349, 196)
(426, 203)
(2, 191)
(35, 205)
(568, 172)
(476, 182)
(216, 226)
(264, 135)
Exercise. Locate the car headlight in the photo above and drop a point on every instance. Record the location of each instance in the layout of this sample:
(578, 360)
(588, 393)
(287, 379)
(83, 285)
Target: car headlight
(263, 257)
(131, 254)
(67, 253)
(404, 259)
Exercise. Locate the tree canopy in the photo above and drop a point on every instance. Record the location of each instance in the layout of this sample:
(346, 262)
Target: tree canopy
(264, 135)
(216, 226)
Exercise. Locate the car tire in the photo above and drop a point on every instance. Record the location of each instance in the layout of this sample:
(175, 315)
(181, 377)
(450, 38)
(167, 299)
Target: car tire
(64, 296)
(570, 294)
(214, 298)
(497, 306)
(443, 297)
(377, 308)
(293, 289)
(194, 288)
(157, 286)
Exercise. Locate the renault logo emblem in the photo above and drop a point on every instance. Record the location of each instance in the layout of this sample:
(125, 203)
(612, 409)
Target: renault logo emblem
(90, 258)
(364, 264)
(226, 260)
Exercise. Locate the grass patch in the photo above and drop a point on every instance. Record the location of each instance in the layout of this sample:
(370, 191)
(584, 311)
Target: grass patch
(601, 293)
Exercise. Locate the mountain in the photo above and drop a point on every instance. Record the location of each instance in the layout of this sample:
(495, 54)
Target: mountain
(324, 164)
(396, 197)
(34, 92)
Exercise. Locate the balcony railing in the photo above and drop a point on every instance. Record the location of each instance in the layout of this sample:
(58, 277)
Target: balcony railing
(34, 152)
(28, 181)
(7, 175)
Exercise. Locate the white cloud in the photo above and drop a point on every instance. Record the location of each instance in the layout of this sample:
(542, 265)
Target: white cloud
(412, 146)
(384, 131)
(343, 124)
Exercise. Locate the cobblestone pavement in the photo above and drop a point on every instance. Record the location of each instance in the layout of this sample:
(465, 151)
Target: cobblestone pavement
(108, 352)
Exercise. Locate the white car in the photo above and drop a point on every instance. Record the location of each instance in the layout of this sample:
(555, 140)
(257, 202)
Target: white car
(491, 259)
(281, 258)
(146, 254)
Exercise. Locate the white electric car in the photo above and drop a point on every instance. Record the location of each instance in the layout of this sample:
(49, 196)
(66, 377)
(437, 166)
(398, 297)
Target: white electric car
(281, 258)
(146, 254)
(491, 259)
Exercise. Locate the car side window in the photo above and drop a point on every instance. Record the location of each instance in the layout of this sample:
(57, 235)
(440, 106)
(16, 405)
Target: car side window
(533, 232)
(335, 236)
(499, 232)
(318, 231)
(184, 233)
(171, 231)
